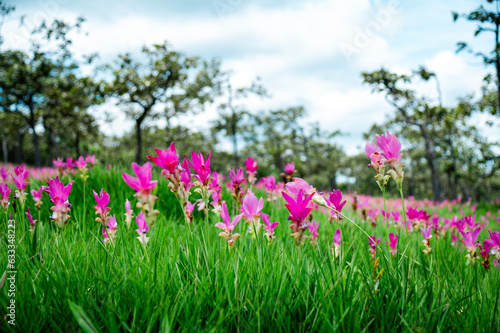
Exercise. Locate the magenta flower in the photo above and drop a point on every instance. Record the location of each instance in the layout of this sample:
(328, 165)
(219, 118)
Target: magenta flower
(269, 227)
(313, 229)
(4, 195)
(298, 207)
(427, 232)
(373, 153)
(20, 180)
(228, 225)
(4, 174)
(454, 239)
(201, 167)
(495, 242)
(166, 159)
(69, 163)
(335, 199)
(90, 159)
(336, 242)
(236, 177)
(470, 239)
(112, 225)
(37, 197)
(186, 175)
(393, 243)
(373, 242)
(299, 184)
(396, 215)
(143, 228)
(59, 163)
(102, 201)
(251, 165)
(289, 168)
(81, 162)
(143, 183)
(391, 147)
(59, 196)
(128, 213)
(189, 210)
(252, 207)
(337, 237)
(30, 219)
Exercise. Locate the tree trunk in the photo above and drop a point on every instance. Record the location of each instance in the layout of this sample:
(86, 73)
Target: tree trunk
(19, 151)
(332, 179)
(138, 136)
(32, 123)
(5, 151)
(235, 139)
(430, 156)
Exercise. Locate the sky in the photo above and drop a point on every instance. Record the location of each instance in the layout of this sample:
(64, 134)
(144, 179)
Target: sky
(308, 53)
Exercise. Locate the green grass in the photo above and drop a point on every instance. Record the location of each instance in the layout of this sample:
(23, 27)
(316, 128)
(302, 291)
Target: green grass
(187, 280)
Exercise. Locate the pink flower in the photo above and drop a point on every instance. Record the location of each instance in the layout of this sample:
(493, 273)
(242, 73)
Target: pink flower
(4, 174)
(252, 207)
(228, 225)
(20, 179)
(69, 163)
(4, 194)
(128, 213)
(269, 226)
(470, 239)
(251, 165)
(37, 195)
(189, 210)
(335, 198)
(313, 229)
(201, 167)
(373, 242)
(59, 196)
(59, 163)
(336, 243)
(396, 215)
(393, 243)
(427, 232)
(454, 239)
(298, 207)
(391, 147)
(30, 218)
(299, 184)
(289, 168)
(185, 175)
(58, 192)
(90, 159)
(373, 153)
(143, 228)
(81, 162)
(166, 159)
(112, 225)
(143, 183)
(337, 237)
(102, 201)
(236, 177)
(373, 245)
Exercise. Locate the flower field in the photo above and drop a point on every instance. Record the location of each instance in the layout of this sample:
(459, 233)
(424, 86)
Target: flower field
(172, 245)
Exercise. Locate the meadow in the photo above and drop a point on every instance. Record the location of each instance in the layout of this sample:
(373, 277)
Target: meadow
(173, 269)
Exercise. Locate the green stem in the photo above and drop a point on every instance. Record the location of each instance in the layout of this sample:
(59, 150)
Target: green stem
(385, 209)
(404, 210)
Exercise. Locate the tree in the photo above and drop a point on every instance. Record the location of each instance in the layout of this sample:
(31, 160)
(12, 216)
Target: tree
(26, 77)
(168, 78)
(232, 114)
(488, 21)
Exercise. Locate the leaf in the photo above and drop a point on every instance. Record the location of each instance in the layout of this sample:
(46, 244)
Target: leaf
(82, 318)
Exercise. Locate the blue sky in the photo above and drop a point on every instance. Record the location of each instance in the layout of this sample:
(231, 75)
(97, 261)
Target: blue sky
(307, 53)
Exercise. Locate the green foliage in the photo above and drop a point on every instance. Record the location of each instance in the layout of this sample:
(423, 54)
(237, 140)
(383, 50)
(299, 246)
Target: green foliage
(187, 279)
